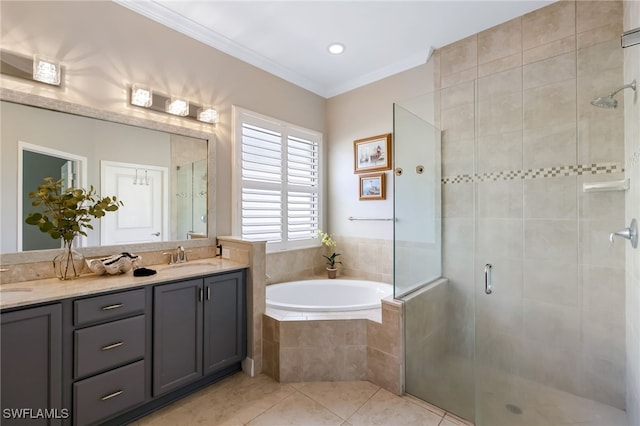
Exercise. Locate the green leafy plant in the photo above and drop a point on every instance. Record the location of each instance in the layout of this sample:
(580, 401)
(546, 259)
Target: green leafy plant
(67, 212)
(330, 243)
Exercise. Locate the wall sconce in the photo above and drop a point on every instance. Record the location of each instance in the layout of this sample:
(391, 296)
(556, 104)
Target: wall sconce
(36, 68)
(143, 96)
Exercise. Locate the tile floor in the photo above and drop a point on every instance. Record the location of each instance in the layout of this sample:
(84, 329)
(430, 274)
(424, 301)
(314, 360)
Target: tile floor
(242, 400)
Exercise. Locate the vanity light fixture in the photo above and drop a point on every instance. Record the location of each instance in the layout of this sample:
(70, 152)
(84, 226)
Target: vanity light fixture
(34, 68)
(143, 96)
(46, 70)
(177, 106)
(207, 115)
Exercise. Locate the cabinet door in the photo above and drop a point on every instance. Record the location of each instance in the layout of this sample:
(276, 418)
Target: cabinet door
(177, 335)
(31, 365)
(224, 321)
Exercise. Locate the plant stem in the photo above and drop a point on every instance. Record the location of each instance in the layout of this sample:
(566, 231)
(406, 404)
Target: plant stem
(69, 260)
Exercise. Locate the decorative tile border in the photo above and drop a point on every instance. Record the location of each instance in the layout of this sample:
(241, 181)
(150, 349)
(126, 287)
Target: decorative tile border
(545, 172)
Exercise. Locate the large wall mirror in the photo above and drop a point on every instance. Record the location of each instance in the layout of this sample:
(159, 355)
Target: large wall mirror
(162, 178)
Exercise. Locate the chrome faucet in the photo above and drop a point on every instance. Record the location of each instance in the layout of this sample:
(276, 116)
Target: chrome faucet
(179, 256)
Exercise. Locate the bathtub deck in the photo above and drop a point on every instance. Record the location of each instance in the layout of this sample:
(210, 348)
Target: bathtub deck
(282, 315)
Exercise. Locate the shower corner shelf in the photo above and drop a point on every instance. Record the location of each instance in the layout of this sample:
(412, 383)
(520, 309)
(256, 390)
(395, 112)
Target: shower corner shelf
(615, 185)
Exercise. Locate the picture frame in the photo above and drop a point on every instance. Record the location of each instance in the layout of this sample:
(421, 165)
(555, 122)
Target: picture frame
(372, 154)
(372, 187)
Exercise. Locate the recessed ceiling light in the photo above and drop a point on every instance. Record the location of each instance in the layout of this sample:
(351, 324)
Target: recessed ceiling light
(336, 48)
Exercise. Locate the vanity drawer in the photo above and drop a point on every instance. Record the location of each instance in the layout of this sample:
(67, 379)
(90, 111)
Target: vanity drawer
(107, 307)
(108, 345)
(104, 395)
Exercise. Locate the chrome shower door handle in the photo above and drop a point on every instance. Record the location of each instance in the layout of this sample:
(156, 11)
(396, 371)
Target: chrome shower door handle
(488, 284)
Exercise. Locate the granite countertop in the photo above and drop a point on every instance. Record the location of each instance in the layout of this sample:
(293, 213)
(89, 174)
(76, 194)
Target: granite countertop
(39, 291)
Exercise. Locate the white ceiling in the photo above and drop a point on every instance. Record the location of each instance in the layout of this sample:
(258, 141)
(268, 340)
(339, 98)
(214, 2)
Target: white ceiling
(290, 38)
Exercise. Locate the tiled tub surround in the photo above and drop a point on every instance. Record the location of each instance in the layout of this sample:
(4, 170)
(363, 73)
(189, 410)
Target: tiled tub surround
(365, 258)
(516, 97)
(337, 346)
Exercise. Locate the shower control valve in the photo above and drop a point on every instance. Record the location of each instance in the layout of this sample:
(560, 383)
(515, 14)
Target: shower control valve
(630, 233)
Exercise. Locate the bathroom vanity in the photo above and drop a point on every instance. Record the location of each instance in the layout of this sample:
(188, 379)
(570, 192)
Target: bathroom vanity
(108, 349)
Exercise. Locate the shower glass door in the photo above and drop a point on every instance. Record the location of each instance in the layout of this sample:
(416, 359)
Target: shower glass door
(417, 230)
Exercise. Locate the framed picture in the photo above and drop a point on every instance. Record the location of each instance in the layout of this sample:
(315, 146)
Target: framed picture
(372, 187)
(372, 154)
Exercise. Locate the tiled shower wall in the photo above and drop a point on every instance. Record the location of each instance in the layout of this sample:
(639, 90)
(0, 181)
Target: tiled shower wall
(519, 138)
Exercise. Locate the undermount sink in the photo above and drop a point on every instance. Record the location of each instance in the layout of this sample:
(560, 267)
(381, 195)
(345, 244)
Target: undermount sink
(193, 265)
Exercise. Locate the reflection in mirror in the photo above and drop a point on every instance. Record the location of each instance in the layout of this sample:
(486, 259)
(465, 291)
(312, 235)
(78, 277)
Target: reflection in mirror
(34, 164)
(160, 177)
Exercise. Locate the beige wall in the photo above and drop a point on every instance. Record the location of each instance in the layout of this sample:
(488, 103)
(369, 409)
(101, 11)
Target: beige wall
(106, 47)
(632, 171)
(367, 246)
(360, 113)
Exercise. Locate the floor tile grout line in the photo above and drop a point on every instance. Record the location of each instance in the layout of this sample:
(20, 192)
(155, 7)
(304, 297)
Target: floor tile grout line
(348, 417)
(294, 390)
(363, 404)
(321, 404)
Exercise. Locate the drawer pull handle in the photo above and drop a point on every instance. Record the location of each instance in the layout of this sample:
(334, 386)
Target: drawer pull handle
(112, 395)
(110, 307)
(112, 346)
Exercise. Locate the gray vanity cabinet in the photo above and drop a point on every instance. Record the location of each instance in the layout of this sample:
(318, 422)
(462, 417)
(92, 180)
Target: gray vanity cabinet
(177, 335)
(198, 329)
(31, 365)
(109, 355)
(110, 358)
(224, 321)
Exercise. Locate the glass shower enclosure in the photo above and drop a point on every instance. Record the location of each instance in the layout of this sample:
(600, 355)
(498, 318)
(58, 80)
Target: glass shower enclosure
(438, 320)
(510, 335)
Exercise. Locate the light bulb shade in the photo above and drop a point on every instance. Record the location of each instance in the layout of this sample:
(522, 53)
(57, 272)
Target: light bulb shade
(141, 96)
(46, 70)
(207, 115)
(177, 106)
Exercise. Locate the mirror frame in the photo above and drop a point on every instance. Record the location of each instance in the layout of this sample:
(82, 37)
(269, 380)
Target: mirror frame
(37, 101)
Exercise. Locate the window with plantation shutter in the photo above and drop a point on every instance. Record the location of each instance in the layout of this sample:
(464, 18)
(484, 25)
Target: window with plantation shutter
(277, 181)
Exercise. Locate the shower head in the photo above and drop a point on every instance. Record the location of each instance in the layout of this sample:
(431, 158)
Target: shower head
(608, 101)
(604, 102)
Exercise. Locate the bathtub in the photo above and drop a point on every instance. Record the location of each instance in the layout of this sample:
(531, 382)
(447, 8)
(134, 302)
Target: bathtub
(327, 295)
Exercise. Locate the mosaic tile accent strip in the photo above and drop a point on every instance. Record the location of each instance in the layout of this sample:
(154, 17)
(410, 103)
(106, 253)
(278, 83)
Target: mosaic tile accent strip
(545, 172)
